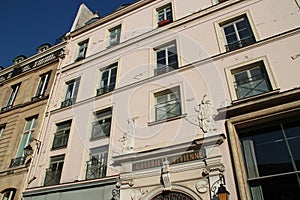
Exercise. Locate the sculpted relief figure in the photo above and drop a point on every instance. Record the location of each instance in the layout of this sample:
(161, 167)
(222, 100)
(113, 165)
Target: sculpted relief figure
(206, 116)
(128, 136)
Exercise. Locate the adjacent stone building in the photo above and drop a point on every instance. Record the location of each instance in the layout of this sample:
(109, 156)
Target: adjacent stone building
(24, 92)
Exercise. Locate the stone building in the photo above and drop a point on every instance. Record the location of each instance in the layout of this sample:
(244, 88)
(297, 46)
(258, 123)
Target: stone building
(174, 99)
(24, 92)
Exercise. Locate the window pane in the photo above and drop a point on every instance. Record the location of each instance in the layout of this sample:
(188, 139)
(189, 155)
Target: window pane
(241, 77)
(24, 142)
(281, 187)
(268, 153)
(243, 29)
(230, 34)
(292, 131)
(161, 55)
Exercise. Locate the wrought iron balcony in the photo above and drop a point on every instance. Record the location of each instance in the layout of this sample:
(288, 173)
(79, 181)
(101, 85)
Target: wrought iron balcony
(60, 139)
(165, 69)
(67, 102)
(39, 96)
(240, 43)
(101, 129)
(167, 110)
(96, 168)
(105, 89)
(17, 161)
(52, 177)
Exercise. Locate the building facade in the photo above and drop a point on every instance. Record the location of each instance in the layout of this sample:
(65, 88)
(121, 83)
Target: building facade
(174, 99)
(24, 91)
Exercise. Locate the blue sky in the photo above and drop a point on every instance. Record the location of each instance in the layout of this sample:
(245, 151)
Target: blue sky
(25, 25)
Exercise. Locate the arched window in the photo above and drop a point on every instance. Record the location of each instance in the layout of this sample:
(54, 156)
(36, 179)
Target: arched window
(8, 194)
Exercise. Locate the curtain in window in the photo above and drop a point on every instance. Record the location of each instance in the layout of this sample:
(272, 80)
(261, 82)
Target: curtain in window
(251, 166)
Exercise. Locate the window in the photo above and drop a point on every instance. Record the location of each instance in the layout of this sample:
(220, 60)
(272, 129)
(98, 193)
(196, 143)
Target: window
(164, 15)
(272, 160)
(102, 124)
(238, 33)
(82, 50)
(251, 80)
(97, 165)
(25, 141)
(41, 89)
(168, 104)
(12, 97)
(61, 136)
(71, 93)
(2, 127)
(114, 35)
(8, 194)
(54, 172)
(108, 80)
(166, 59)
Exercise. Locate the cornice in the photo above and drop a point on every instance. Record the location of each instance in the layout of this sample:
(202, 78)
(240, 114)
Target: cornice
(70, 186)
(157, 152)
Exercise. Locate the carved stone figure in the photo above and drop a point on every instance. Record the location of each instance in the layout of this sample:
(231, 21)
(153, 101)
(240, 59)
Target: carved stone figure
(128, 137)
(206, 116)
(165, 175)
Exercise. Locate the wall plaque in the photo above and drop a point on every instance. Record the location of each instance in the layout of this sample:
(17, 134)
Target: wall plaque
(173, 159)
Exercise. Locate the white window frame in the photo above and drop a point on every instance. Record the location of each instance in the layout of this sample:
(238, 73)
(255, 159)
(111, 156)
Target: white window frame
(100, 157)
(168, 92)
(13, 94)
(27, 135)
(62, 128)
(71, 95)
(82, 49)
(233, 23)
(220, 23)
(114, 35)
(55, 160)
(229, 71)
(107, 115)
(11, 194)
(162, 13)
(167, 66)
(110, 85)
(42, 86)
(2, 127)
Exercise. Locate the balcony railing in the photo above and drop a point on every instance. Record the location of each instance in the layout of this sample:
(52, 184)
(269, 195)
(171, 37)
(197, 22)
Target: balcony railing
(165, 69)
(37, 97)
(60, 139)
(96, 168)
(67, 102)
(240, 43)
(101, 129)
(52, 177)
(17, 161)
(105, 89)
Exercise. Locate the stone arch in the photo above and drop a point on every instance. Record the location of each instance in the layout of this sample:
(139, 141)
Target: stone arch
(185, 191)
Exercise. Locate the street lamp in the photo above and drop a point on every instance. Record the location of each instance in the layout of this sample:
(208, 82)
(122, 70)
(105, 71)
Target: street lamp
(28, 150)
(222, 193)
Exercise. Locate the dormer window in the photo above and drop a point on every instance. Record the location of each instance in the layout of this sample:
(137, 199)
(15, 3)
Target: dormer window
(19, 59)
(164, 15)
(43, 47)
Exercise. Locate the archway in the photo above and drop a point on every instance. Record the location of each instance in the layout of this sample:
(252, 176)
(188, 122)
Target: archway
(178, 192)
